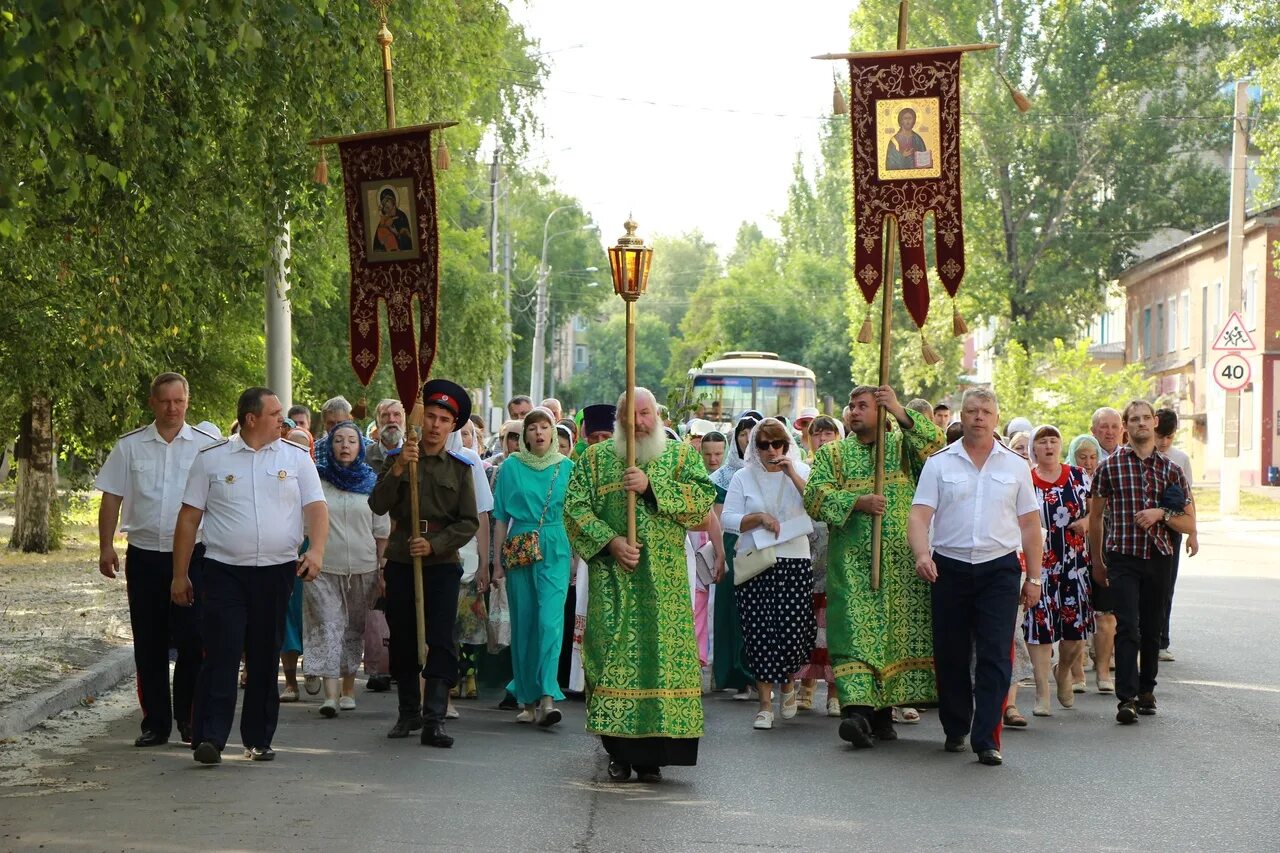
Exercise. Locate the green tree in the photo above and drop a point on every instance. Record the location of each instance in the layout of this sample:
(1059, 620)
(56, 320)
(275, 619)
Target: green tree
(606, 374)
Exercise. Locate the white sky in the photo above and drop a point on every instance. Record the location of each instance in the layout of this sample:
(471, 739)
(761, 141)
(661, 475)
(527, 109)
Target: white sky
(697, 166)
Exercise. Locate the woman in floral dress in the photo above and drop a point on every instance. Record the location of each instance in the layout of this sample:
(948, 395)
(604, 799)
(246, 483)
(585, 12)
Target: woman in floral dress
(1064, 614)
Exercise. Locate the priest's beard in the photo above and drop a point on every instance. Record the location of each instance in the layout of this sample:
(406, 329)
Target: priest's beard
(648, 448)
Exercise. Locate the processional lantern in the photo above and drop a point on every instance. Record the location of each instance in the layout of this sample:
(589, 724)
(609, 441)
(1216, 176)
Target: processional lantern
(629, 262)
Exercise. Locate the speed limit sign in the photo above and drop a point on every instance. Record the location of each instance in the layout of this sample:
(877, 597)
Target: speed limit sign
(1232, 372)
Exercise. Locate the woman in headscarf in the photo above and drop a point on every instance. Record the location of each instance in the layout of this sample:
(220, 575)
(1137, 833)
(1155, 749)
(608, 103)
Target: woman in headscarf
(1086, 453)
(529, 498)
(1063, 614)
(728, 661)
(821, 430)
(765, 506)
(336, 603)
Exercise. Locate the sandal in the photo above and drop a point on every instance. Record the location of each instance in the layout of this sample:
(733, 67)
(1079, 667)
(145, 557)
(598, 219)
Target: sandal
(289, 694)
(1013, 718)
(908, 716)
(763, 720)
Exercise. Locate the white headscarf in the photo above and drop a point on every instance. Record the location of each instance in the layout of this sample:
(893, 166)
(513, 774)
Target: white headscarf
(733, 461)
(753, 453)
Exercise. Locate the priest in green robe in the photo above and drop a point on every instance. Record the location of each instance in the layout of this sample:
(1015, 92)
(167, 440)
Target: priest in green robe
(639, 653)
(880, 641)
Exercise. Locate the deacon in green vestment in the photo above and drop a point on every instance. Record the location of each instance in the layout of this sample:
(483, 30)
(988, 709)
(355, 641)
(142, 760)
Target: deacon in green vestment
(880, 642)
(640, 656)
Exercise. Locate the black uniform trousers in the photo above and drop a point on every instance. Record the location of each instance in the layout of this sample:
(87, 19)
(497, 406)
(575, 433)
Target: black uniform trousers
(440, 582)
(243, 608)
(158, 625)
(975, 606)
(1138, 590)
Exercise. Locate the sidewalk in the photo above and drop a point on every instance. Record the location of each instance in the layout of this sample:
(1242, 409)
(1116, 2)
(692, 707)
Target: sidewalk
(64, 628)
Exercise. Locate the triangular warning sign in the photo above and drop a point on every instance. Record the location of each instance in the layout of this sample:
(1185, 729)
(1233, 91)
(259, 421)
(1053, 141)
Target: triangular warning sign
(1234, 336)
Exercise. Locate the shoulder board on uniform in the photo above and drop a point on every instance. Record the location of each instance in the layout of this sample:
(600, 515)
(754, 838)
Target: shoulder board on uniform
(302, 447)
(133, 432)
(459, 457)
(206, 433)
(215, 444)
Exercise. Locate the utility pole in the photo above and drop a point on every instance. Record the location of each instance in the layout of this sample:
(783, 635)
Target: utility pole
(279, 320)
(1229, 494)
(487, 403)
(508, 379)
(538, 356)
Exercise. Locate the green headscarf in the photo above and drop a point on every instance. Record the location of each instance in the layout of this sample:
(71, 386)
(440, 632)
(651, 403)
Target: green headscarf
(551, 458)
(1075, 445)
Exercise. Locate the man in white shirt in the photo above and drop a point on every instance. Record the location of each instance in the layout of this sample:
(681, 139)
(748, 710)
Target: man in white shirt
(978, 495)
(254, 493)
(1108, 430)
(146, 474)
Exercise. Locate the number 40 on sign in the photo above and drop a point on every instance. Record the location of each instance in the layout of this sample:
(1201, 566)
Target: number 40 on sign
(1232, 372)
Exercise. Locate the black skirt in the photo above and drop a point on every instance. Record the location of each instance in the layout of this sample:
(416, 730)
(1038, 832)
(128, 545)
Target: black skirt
(778, 624)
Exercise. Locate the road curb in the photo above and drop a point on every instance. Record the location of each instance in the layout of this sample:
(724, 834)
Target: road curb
(33, 710)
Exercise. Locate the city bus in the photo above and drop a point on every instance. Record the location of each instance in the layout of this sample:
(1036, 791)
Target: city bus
(738, 381)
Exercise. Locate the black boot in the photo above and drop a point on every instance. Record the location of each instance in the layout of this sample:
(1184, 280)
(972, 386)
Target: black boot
(855, 726)
(410, 719)
(882, 724)
(434, 706)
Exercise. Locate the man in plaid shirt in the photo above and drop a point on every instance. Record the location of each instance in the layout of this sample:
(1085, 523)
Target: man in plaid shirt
(1139, 497)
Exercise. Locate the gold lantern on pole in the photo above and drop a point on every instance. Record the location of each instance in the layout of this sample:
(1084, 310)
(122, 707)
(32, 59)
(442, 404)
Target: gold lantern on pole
(629, 261)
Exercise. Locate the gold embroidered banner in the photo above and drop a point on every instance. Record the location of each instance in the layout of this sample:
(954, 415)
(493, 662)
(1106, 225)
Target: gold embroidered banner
(905, 115)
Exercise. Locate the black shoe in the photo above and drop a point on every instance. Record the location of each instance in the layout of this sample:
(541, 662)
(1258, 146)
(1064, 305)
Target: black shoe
(990, 757)
(619, 772)
(208, 753)
(378, 683)
(882, 724)
(150, 739)
(406, 724)
(1147, 704)
(856, 729)
(954, 744)
(433, 734)
(259, 753)
(508, 703)
(184, 731)
(649, 774)
(1128, 712)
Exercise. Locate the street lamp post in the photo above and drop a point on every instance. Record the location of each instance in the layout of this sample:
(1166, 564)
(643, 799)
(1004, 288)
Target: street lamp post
(537, 361)
(629, 262)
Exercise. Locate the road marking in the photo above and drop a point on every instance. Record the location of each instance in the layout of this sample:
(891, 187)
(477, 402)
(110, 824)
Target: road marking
(1230, 685)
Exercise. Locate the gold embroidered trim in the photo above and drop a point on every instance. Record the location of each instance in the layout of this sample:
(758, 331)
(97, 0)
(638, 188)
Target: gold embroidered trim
(893, 669)
(608, 488)
(649, 693)
(644, 735)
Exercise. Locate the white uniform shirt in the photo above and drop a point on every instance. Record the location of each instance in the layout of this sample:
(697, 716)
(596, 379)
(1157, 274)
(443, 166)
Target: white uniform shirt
(976, 511)
(150, 474)
(253, 500)
(351, 549)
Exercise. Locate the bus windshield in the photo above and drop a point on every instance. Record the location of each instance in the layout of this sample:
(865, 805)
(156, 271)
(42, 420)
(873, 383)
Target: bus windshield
(722, 398)
(784, 396)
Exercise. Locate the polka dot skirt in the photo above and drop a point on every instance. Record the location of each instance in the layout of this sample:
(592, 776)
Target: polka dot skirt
(778, 625)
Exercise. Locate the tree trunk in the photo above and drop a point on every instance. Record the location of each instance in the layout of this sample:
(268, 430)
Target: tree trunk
(37, 479)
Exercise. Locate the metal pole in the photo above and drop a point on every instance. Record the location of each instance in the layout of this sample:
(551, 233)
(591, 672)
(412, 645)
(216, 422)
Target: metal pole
(279, 327)
(886, 323)
(1229, 494)
(538, 356)
(508, 378)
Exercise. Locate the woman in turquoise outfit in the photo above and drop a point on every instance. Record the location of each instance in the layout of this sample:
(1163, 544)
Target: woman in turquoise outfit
(529, 496)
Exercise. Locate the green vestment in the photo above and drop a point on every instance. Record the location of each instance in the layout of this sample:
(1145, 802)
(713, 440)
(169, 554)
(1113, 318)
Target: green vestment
(639, 654)
(880, 643)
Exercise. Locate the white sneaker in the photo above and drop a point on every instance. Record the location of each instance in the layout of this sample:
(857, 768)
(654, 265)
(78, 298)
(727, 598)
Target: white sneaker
(526, 715)
(329, 709)
(789, 704)
(347, 703)
(1166, 656)
(764, 720)
(833, 707)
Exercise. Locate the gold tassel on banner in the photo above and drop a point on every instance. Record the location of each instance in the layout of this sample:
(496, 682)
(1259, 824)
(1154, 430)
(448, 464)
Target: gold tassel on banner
(321, 175)
(958, 327)
(866, 332)
(442, 157)
(1020, 100)
(838, 105)
(930, 354)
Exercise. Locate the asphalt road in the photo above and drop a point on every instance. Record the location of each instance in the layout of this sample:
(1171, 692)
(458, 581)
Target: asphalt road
(1200, 775)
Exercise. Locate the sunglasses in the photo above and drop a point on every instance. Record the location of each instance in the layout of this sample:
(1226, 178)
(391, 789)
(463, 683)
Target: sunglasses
(776, 444)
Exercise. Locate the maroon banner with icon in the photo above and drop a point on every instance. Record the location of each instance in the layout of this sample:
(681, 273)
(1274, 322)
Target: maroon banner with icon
(905, 116)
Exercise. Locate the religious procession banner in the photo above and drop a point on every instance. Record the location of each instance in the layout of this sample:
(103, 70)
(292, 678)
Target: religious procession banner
(389, 185)
(904, 108)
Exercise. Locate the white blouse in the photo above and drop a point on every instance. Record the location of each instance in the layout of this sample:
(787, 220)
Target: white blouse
(353, 527)
(753, 490)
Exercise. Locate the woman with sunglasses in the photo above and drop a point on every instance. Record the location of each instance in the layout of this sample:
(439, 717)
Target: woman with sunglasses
(765, 506)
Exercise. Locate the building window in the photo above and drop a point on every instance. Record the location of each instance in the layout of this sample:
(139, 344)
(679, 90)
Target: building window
(1171, 315)
(1185, 319)
(1219, 307)
(579, 357)
(579, 323)
(1159, 336)
(1204, 325)
(1135, 339)
(1146, 332)
(1248, 297)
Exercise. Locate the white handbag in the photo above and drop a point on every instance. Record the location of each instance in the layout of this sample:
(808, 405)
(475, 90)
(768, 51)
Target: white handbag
(750, 563)
(704, 559)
